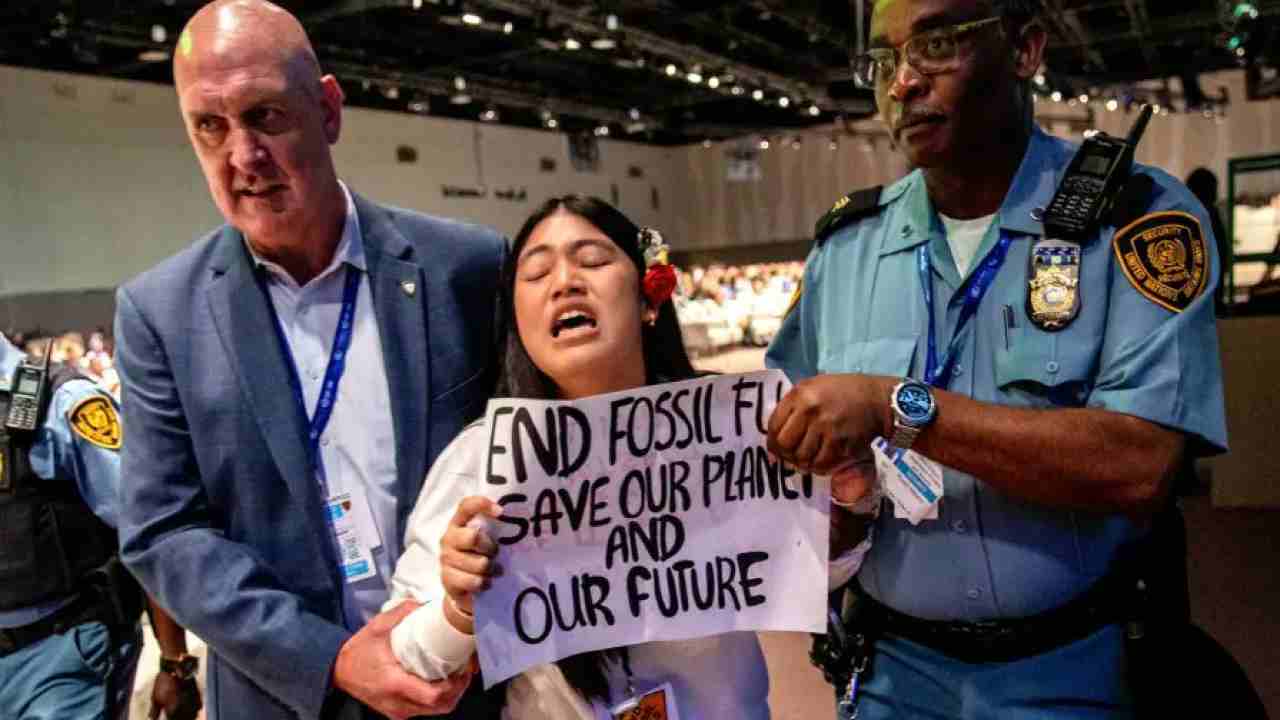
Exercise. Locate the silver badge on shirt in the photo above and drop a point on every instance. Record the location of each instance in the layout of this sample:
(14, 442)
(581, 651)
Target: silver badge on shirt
(1053, 298)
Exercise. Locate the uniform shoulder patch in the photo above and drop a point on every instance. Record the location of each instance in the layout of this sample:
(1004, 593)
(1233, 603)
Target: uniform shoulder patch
(1163, 256)
(94, 419)
(853, 206)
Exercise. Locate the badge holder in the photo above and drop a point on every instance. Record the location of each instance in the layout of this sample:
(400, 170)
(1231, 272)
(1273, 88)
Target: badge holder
(658, 703)
(911, 480)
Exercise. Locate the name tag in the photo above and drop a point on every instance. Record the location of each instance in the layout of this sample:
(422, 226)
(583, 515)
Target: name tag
(911, 480)
(356, 533)
(656, 704)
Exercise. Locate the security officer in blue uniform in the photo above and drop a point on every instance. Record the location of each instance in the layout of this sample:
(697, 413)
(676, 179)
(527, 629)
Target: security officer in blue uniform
(69, 612)
(1058, 387)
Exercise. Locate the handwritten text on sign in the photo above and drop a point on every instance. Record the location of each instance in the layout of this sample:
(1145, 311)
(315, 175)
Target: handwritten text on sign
(653, 514)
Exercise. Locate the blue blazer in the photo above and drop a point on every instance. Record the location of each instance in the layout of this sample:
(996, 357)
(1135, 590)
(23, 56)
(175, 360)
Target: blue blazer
(220, 518)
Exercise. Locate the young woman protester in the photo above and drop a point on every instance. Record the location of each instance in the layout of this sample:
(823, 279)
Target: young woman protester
(589, 312)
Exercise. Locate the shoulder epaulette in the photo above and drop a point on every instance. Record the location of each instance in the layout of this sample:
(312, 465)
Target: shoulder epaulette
(854, 206)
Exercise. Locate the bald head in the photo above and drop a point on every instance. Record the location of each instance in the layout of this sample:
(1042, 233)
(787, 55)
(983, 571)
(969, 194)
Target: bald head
(236, 32)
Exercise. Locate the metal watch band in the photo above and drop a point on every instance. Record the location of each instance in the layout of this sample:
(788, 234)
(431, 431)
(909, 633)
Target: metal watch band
(903, 435)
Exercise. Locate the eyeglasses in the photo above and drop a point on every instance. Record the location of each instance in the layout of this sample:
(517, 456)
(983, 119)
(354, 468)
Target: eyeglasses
(929, 53)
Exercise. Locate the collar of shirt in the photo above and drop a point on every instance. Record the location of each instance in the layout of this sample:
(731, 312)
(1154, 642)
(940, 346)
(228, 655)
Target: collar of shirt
(1032, 187)
(350, 249)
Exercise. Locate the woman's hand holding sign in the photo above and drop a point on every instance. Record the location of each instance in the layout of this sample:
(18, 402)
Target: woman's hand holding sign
(466, 560)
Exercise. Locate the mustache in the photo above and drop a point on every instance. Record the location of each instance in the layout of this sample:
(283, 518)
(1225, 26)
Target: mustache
(914, 115)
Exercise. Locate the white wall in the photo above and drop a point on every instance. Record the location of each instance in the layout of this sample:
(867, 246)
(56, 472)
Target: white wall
(798, 186)
(97, 181)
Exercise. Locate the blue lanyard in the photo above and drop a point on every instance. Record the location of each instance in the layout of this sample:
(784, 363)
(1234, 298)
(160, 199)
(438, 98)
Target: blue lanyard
(333, 372)
(938, 374)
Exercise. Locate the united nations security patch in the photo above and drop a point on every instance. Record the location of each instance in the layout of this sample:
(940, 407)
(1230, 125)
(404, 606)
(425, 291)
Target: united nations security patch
(95, 420)
(1163, 255)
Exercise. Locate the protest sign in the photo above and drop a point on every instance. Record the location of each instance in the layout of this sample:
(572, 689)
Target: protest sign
(650, 514)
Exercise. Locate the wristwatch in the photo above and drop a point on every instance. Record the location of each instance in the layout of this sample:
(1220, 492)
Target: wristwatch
(183, 667)
(913, 409)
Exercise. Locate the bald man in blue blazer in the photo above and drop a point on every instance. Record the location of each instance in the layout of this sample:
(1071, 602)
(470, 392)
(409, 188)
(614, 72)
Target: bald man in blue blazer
(287, 382)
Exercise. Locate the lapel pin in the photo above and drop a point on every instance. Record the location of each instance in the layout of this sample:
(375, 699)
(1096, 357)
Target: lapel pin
(409, 287)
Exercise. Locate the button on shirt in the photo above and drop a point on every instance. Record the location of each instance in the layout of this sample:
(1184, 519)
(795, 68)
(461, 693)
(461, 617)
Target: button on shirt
(357, 449)
(60, 452)
(989, 555)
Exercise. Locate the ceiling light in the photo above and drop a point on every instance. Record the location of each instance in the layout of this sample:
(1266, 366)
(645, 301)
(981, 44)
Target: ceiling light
(814, 110)
(508, 27)
(713, 82)
(417, 4)
(1084, 98)
(602, 131)
(694, 77)
(611, 22)
(672, 70)
(472, 19)
(552, 123)
(1113, 105)
(1056, 96)
(784, 101)
(490, 114)
(737, 90)
(158, 34)
(757, 94)
(1040, 79)
(571, 43)
(459, 83)
(634, 113)
(764, 143)
(604, 43)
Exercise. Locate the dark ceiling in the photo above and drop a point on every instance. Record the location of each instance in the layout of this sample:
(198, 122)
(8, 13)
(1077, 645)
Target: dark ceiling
(777, 65)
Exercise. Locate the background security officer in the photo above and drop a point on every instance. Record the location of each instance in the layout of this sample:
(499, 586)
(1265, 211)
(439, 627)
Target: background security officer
(69, 612)
(1059, 386)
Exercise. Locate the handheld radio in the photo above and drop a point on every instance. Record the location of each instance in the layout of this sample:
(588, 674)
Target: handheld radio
(30, 382)
(1098, 171)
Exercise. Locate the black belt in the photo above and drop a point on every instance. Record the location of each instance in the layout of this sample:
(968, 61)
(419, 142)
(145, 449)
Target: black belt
(1003, 640)
(81, 610)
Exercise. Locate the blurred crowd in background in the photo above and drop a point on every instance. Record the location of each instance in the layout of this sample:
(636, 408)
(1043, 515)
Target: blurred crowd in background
(91, 352)
(725, 306)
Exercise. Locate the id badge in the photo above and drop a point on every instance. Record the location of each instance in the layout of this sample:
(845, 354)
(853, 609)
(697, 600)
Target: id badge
(656, 704)
(911, 480)
(354, 552)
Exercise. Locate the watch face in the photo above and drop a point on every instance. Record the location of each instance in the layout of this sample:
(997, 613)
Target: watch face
(915, 402)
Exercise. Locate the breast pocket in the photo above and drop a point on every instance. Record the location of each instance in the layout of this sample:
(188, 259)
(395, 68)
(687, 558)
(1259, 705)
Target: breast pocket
(1042, 369)
(879, 356)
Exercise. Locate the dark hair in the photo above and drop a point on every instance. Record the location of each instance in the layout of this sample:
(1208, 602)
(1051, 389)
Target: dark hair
(1017, 13)
(665, 360)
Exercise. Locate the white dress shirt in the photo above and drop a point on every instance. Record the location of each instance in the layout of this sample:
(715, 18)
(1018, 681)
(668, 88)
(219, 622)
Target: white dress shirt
(357, 448)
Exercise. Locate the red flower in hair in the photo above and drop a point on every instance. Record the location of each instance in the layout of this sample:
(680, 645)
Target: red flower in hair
(659, 283)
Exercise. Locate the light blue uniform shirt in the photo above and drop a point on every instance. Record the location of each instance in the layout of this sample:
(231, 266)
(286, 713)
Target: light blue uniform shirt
(60, 452)
(862, 311)
(357, 448)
